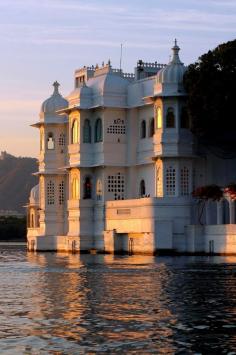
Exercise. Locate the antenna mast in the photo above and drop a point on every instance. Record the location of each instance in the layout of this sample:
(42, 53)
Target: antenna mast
(121, 53)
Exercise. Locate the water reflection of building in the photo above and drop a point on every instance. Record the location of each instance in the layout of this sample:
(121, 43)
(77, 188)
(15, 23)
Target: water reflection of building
(60, 296)
(117, 166)
(100, 302)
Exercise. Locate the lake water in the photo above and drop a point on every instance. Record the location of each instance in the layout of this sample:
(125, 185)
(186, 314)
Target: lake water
(89, 304)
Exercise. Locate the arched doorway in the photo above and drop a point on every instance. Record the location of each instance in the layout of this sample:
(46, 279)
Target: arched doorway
(142, 188)
(87, 188)
(225, 212)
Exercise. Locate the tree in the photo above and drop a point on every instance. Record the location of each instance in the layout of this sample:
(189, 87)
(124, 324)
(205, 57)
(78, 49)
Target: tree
(211, 87)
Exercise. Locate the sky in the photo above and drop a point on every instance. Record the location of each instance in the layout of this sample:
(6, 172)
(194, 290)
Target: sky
(43, 41)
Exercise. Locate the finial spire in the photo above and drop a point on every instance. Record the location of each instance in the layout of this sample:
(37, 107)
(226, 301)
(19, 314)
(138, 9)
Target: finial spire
(56, 86)
(175, 58)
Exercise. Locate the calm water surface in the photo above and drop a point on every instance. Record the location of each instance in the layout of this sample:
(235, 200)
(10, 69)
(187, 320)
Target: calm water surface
(89, 304)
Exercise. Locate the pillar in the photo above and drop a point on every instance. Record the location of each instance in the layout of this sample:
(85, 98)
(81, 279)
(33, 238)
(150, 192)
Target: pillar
(208, 213)
(219, 212)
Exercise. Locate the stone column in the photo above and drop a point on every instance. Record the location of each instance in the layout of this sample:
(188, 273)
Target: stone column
(208, 214)
(219, 212)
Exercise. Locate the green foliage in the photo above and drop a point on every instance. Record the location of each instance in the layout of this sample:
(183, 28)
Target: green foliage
(12, 228)
(211, 87)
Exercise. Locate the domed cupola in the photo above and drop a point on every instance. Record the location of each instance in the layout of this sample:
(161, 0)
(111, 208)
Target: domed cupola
(34, 195)
(169, 80)
(81, 97)
(52, 104)
(109, 88)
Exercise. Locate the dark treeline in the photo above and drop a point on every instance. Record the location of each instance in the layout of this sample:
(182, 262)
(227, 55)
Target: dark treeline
(12, 229)
(211, 87)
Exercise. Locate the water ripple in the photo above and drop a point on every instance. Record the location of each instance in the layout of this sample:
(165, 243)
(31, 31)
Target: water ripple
(70, 304)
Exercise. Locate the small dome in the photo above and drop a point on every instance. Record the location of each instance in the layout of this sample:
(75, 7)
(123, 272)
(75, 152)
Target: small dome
(55, 102)
(109, 89)
(173, 73)
(115, 84)
(81, 96)
(110, 84)
(34, 195)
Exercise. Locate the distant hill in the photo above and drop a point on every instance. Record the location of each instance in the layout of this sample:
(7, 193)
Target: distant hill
(16, 181)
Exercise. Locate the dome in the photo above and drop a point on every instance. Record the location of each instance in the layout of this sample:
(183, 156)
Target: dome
(109, 89)
(81, 96)
(55, 102)
(115, 84)
(173, 73)
(34, 195)
(109, 84)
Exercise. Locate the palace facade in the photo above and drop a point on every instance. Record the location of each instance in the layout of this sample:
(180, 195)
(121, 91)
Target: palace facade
(118, 164)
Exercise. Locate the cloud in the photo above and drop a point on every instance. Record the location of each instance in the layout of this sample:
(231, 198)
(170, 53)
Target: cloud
(92, 7)
(133, 26)
(115, 24)
(223, 3)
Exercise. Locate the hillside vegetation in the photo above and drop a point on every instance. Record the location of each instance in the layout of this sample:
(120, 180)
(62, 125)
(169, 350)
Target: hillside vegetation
(16, 181)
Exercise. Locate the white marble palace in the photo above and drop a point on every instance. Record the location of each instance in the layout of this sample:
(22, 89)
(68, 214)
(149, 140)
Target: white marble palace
(117, 166)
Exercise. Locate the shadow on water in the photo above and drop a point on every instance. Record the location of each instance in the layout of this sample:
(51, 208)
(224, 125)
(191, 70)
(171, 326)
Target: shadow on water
(79, 304)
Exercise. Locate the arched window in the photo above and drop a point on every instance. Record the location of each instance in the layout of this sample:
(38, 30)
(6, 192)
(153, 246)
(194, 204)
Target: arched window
(75, 188)
(159, 118)
(38, 221)
(142, 188)
(143, 130)
(75, 132)
(87, 132)
(50, 193)
(99, 190)
(28, 219)
(225, 212)
(184, 118)
(170, 181)
(151, 127)
(87, 188)
(211, 212)
(184, 181)
(32, 221)
(170, 118)
(50, 141)
(98, 131)
(62, 140)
